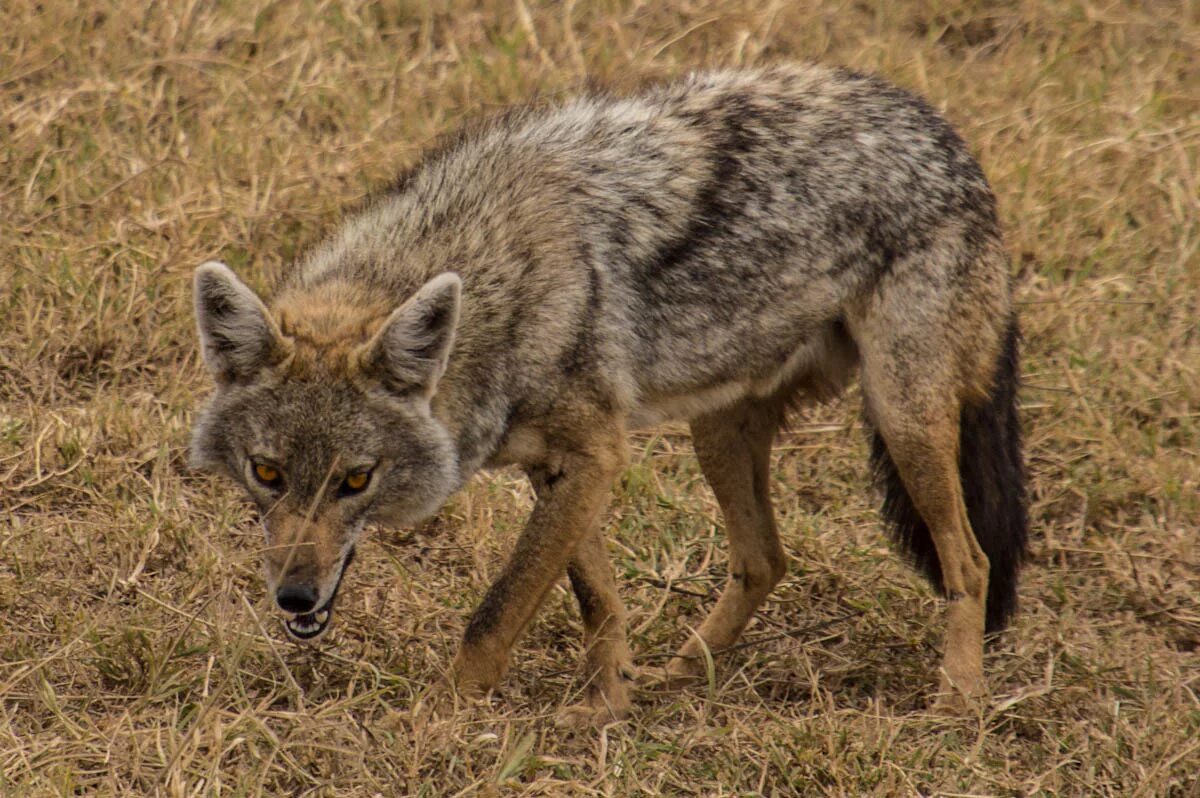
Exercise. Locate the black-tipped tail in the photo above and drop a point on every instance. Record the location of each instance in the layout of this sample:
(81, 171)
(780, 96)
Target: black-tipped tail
(993, 478)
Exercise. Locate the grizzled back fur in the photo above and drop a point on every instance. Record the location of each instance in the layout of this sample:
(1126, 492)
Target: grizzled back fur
(729, 240)
(677, 249)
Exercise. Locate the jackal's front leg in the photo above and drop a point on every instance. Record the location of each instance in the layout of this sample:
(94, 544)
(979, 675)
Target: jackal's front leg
(572, 490)
(608, 664)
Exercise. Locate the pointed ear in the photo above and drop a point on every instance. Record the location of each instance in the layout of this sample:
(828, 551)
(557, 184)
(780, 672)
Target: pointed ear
(237, 334)
(411, 349)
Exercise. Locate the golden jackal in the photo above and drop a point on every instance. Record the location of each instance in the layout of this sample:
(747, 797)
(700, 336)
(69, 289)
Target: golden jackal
(710, 250)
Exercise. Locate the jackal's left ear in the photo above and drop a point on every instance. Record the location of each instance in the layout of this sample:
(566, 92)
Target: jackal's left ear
(411, 349)
(237, 334)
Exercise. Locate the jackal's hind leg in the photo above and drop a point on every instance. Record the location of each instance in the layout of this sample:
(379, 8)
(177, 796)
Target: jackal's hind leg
(608, 666)
(920, 427)
(734, 450)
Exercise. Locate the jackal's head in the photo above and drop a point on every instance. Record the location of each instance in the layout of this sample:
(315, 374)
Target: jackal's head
(323, 412)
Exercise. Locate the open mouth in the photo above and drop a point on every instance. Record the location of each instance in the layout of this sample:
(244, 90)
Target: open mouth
(310, 625)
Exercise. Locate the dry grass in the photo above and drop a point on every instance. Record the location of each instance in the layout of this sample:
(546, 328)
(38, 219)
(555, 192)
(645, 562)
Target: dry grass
(138, 655)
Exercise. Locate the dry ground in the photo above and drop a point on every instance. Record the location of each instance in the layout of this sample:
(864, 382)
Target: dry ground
(137, 653)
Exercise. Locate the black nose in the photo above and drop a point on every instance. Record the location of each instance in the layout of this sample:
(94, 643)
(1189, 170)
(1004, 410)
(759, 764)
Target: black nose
(296, 598)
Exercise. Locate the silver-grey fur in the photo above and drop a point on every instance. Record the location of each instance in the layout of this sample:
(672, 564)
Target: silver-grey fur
(734, 239)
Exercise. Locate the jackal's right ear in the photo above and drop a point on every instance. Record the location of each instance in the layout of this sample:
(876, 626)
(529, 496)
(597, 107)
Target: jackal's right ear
(412, 348)
(237, 334)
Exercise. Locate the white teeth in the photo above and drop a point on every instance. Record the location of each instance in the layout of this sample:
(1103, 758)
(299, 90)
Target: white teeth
(308, 625)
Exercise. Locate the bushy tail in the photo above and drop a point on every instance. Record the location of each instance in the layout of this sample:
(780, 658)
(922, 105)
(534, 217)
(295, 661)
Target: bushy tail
(993, 479)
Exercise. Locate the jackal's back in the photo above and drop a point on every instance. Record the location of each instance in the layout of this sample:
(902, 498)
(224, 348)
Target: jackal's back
(699, 239)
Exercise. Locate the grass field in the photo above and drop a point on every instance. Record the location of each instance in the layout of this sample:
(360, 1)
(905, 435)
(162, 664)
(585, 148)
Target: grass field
(138, 655)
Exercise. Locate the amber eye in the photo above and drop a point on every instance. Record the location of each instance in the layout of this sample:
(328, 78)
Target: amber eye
(354, 483)
(266, 475)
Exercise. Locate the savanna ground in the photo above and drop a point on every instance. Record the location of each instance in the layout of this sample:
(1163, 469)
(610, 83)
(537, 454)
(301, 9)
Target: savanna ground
(138, 654)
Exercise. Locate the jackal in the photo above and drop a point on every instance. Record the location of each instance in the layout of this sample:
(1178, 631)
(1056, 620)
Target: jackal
(712, 250)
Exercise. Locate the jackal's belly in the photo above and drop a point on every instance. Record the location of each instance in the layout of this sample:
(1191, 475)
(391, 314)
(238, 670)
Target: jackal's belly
(819, 364)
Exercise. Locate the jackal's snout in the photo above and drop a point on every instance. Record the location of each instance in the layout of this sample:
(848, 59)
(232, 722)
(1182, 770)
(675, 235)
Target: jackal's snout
(296, 598)
(305, 561)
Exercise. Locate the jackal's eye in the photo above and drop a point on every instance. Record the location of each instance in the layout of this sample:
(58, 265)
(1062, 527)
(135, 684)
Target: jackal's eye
(355, 483)
(267, 475)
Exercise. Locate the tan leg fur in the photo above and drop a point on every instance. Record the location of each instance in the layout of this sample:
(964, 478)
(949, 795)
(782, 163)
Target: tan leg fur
(921, 429)
(608, 664)
(572, 488)
(734, 450)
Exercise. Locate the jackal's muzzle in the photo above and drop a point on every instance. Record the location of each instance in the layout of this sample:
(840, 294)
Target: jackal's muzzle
(310, 624)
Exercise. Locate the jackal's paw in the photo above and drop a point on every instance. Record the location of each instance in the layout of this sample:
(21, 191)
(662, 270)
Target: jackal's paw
(437, 704)
(686, 669)
(607, 699)
(444, 705)
(959, 697)
(600, 709)
(670, 679)
(582, 717)
(689, 666)
(475, 672)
